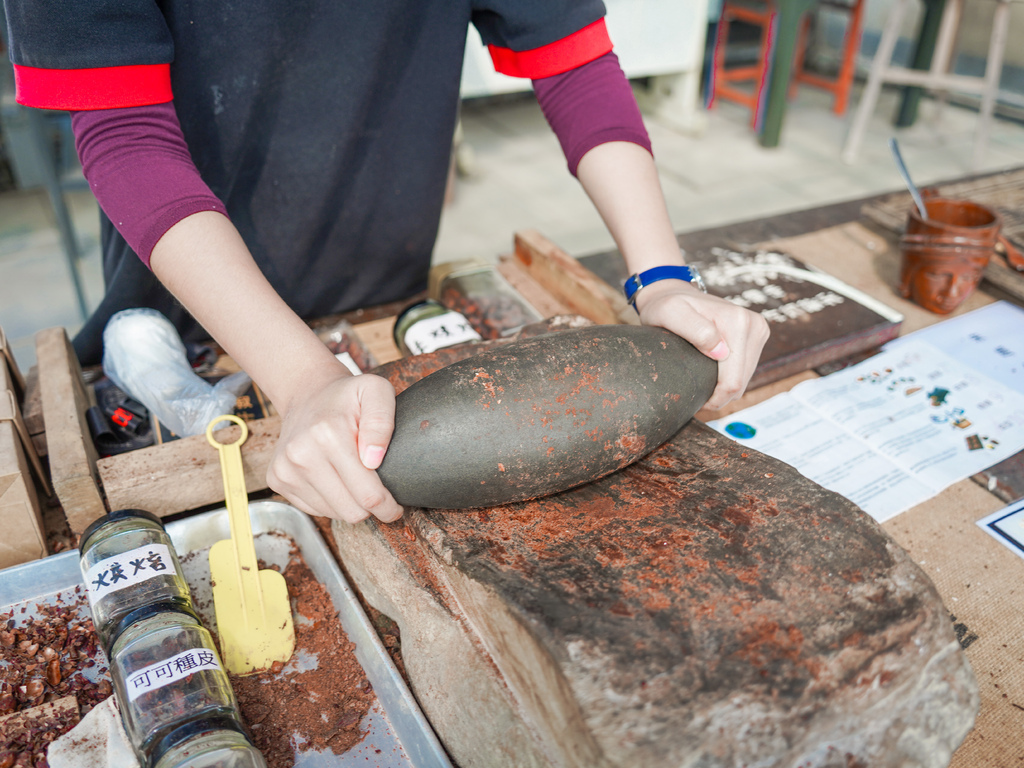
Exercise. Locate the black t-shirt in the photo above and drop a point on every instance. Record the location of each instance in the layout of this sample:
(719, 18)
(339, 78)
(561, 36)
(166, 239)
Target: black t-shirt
(324, 126)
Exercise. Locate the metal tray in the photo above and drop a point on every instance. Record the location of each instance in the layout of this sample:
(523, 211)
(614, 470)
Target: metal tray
(398, 735)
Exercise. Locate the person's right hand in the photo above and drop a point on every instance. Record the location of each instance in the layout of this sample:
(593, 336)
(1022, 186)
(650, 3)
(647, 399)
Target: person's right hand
(331, 442)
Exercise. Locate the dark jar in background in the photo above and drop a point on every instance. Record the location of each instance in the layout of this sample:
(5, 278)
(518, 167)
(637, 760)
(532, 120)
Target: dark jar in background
(129, 563)
(429, 325)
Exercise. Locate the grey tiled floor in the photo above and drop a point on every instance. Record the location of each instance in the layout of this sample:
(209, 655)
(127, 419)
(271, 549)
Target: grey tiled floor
(719, 176)
(518, 180)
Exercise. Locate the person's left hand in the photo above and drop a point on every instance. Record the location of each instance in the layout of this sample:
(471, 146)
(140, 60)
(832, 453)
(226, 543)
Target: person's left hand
(723, 331)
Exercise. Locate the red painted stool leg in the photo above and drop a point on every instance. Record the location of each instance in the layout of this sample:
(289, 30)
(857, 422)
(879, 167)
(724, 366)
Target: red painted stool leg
(849, 64)
(799, 54)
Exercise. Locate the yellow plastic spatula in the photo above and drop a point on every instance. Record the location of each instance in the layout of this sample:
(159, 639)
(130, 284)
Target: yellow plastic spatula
(254, 616)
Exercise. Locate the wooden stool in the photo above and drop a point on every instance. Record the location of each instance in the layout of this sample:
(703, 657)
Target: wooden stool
(762, 14)
(839, 86)
(938, 77)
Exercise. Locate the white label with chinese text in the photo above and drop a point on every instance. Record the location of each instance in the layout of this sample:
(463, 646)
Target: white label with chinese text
(127, 569)
(433, 333)
(158, 675)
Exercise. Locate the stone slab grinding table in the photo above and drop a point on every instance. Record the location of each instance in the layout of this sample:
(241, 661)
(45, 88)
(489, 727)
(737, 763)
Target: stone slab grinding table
(708, 606)
(977, 578)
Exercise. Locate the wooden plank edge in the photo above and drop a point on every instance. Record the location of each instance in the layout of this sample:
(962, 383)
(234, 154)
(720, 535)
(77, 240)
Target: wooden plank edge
(72, 454)
(185, 474)
(574, 285)
(535, 294)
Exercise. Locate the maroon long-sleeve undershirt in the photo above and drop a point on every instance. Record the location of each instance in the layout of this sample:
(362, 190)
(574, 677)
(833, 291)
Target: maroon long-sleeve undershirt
(141, 173)
(591, 105)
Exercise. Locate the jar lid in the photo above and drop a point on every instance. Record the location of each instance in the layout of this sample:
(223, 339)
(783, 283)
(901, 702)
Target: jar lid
(192, 729)
(113, 517)
(417, 308)
(134, 616)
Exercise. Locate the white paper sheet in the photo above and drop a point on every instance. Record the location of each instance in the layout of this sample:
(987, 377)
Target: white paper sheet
(889, 432)
(989, 339)
(1007, 527)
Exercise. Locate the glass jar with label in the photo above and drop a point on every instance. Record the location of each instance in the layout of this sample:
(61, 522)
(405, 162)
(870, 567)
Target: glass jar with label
(170, 684)
(128, 563)
(483, 295)
(429, 325)
(220, 748)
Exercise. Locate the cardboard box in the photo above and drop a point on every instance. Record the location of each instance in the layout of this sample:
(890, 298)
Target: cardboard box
(15, 381)
(20, 516)
(21, 521)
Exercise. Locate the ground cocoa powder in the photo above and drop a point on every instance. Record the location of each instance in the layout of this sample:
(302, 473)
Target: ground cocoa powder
(389, 632)
(319, 709)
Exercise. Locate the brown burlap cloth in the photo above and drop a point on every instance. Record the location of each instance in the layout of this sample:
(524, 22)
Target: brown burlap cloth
(980, 580)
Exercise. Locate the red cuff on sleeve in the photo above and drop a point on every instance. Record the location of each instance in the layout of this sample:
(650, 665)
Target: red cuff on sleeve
(554, 58)
(99, 88)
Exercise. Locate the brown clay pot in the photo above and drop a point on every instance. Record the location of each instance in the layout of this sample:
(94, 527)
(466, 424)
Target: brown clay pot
(943, 259)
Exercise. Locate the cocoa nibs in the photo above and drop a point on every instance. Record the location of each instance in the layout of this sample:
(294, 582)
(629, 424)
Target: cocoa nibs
(287, 712)
(314, 709)
(340, 343)
(491, 315)
(25, 746)
(43, 658)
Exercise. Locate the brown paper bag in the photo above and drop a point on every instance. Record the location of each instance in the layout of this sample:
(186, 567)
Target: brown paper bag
(21, 522)
(20, 517)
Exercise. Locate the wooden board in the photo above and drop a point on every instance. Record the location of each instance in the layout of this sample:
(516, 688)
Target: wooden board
(816, 313)
(32, 411)
(571, 283)
(541, 299)
(73, 456)
(377, 336)
(1005, 479)
(185, 474)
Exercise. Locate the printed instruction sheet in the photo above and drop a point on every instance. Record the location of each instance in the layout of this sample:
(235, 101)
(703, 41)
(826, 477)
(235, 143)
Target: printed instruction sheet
(896, 429)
